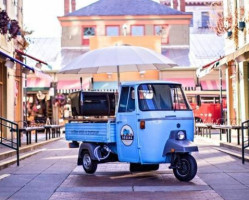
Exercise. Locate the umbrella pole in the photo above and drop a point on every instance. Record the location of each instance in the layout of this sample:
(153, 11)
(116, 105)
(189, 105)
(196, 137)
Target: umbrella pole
(118, 73)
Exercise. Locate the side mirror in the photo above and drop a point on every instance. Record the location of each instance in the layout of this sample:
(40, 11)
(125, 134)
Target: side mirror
(198, 99)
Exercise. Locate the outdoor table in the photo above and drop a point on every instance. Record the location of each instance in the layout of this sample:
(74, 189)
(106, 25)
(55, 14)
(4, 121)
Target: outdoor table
(54, 130)
(228, 129)
(27, 131)
(201, 127)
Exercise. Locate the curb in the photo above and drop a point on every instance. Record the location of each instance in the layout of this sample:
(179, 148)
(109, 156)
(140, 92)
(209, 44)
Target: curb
(232, 150)
(25, 149)
(233, 147)
(13, 161)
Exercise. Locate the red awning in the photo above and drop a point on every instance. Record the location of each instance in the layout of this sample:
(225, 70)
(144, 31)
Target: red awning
(186, 82)
(212, 85)
(37, 82)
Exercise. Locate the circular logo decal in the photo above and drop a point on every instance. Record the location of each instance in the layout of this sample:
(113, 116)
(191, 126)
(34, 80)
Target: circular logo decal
(127, 135)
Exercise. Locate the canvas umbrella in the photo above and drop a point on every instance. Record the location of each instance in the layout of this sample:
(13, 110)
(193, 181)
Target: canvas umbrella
(117, 59)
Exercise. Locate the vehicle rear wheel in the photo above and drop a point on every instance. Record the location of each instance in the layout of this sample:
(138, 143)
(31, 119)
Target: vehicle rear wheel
(89, 165)
(135, 167)
(186, 168)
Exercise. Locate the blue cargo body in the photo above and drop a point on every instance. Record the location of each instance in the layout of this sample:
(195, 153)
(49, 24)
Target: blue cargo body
(91, 132)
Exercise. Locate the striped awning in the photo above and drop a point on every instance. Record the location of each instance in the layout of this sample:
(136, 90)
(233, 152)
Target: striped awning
(68, 86)
(212, 85)
(37, 82)
(187, 83)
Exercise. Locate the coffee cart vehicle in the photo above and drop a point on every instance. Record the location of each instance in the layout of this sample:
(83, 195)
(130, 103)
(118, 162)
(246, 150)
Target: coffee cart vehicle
(153, 124)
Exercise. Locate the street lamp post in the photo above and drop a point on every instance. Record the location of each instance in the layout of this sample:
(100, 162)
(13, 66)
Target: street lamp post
(221, 104)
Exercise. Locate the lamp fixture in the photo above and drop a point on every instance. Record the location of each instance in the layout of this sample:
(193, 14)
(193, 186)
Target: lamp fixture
(142, 73)
(109, 75)
(38, 65)
(10, 64)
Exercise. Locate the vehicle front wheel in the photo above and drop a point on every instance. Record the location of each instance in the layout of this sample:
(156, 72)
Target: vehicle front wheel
(186, 168)
(89, 165)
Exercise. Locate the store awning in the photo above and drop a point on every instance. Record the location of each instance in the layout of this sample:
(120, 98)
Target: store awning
(212, 85)
(67, 86)
(108, 85)
(37, 82)
(206, 69)
(187, 83)
(17, 61)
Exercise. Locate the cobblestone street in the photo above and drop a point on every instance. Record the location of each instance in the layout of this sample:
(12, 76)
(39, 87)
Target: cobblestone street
(53, 174)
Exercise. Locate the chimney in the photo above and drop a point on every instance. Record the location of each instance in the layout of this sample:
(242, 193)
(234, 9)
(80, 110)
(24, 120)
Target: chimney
(182, 5)
(73, 5)
(66, 7)
(174, 4)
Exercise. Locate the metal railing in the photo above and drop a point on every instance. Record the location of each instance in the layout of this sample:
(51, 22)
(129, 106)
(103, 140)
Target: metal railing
(245, 142)
(9, 135)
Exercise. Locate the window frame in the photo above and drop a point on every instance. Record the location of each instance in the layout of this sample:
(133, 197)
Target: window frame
(127, 101)
(107, 26)
(202, 21)
(154, 32)
(140, 25)
(188, 107)
(86, 41)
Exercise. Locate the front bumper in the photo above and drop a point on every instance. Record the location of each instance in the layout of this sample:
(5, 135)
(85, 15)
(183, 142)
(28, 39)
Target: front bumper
(179, 146)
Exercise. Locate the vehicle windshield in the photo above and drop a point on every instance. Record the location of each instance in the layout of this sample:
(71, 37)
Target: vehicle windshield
(161, 97)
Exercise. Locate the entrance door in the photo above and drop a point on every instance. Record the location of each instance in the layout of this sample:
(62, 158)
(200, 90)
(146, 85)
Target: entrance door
(127, 139)
(2, 90)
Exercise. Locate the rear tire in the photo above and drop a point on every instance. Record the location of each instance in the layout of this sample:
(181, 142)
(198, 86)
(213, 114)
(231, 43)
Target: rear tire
(89, 165)
(186, 168)
(135, 167)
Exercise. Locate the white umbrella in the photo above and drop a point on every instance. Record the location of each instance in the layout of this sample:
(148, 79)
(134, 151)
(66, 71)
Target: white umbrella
(117, 59)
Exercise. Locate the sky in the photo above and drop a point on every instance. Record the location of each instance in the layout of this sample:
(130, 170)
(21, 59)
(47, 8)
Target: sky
(40, 16)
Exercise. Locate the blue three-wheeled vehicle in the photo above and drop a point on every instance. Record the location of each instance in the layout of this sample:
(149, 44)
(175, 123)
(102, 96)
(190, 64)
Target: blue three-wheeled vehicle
(151, 124)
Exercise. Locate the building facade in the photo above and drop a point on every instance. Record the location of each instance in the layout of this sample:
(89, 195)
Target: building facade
(11, 80)
(236, 12)
(139, 22)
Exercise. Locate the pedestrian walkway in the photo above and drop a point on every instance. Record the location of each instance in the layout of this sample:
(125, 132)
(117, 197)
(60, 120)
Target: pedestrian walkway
(224, 173)
(53, 174)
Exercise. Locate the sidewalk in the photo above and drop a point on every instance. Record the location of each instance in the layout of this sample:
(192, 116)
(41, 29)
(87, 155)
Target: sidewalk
(224, 173)
(45, 175)
(8, 156)
(41, 137)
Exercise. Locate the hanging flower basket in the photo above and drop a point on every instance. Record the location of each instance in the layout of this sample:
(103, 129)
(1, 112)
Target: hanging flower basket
(4, 22)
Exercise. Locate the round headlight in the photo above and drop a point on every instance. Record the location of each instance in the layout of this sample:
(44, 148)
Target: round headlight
(181, 135)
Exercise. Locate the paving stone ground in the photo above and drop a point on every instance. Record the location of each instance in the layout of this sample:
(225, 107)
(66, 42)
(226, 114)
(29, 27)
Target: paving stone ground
(53, 174)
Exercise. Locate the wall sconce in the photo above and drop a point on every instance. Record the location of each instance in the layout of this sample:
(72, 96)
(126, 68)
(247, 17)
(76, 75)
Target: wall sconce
(38, 65)
(242, 25)
(10, 64)
(109, 75)
(229, 34)
(26, 71)
(142, 73)
(124, 27)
